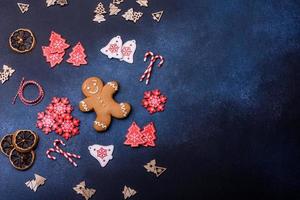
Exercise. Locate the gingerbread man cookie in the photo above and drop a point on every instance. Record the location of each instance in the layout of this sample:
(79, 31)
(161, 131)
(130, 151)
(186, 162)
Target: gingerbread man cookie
(100, 99)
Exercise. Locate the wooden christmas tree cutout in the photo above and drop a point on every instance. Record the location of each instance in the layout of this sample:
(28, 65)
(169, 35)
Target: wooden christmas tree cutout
(157, 15)
(131, 15)
(143, 3)
(151, 167)
(128, 192)
(35, 183)
(85, 192)
(113, 10)
(23, 7)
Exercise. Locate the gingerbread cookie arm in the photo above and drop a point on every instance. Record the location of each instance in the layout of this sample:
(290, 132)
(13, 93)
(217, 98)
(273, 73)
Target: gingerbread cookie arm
(120, 110)
(110, 88)
(86, 105)
(102, 121)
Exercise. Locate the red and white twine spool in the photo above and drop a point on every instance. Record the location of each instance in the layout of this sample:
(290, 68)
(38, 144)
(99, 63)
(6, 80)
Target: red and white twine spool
(153, 59)
(20, 93)
(57, 149)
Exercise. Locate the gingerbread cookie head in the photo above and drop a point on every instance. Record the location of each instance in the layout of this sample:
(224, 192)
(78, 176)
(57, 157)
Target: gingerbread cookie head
(100, 99)
(92, 86)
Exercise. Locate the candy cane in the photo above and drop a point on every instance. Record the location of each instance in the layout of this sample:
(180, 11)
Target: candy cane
(20, 93)
(147, 73)
(148, 53)
(57, 149)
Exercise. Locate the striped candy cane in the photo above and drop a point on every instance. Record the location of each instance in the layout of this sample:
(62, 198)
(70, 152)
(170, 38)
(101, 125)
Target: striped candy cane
(57, 149)
(147, 73)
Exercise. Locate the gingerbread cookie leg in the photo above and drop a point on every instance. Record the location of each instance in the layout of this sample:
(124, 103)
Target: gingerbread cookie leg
(102, 122)
(86, 105)
(120, 110)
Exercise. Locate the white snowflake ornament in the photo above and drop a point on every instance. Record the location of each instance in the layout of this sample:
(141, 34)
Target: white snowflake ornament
(102, 153)
(114, 48)
(128, 50)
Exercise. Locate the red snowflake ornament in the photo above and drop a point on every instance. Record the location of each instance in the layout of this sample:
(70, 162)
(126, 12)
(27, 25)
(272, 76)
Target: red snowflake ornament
(154, 101)
(68, 126)
(60, 106)
(57, 117)
(77, 56)
(46, 122)
(102, 153)
(149, 135)
(134, 138)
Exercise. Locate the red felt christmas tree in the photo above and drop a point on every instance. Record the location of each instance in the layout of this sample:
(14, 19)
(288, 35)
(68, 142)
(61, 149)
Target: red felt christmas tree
(77, 56)
(134, 137)
(149, 135)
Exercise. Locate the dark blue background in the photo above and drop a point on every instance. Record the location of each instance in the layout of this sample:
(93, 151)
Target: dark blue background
(230, 129)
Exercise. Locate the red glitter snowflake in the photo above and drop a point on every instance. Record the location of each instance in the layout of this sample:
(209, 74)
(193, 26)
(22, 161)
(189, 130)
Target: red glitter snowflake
(154, 101)
(57, 117)
(68, 126)
(59, 106)
(126, 51)
(46, 122)
(101, 153)
(113, 48)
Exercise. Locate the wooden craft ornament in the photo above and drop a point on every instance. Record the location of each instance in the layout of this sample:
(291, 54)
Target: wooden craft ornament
(23, 7)
(157, 15)
(143, 3)
(6, 73)
(99, 13)
(131, 15)
(54, 2)
(118, 1)
(103, 154)
(151, 167)
(128, 192)
(35, 183)
(113, 10)
(85, 192)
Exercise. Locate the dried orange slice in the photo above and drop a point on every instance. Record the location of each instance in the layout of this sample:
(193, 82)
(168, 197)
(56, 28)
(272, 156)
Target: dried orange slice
(22, 40)
(6, 144)
(24, 140)
(21, 161)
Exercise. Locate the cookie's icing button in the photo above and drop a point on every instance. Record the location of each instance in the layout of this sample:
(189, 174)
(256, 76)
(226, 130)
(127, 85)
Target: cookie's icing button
(113, 85)
(84, 105)
(101, 124)
(123, 109)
